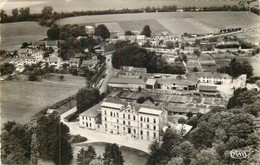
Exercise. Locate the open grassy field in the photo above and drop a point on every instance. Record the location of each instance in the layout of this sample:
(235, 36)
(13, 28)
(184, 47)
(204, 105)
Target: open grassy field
(78, 5)
(14, 34)
(174, 22)
(20, 100)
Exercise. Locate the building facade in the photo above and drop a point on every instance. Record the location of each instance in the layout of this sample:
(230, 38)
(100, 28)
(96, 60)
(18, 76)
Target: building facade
(121, 118)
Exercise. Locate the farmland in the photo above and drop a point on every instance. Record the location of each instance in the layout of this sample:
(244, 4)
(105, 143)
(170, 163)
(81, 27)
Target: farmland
(14, 34)
(78, 5)
(173, 22)
(20, 100)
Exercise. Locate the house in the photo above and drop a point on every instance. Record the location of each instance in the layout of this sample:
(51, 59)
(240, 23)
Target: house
(91, 118)
(38, 56)
(24, 52)
(90, 30)
(175, 84)
(74, 62)
(133, 84)
(29, 60)
(213, 78)
(54, 61)
(38, 43)
(122, 118)
(130, 70)
(51, 44)
(89, 63)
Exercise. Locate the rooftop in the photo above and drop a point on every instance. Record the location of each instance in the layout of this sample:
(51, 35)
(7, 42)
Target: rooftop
(169, 81)
(93, 111)
(208, 88)
(150, 111)
(126, 81)
(212, 75)
(132, 69)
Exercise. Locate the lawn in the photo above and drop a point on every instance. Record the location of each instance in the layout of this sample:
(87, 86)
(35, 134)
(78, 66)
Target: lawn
(20, 100)
(14, 34)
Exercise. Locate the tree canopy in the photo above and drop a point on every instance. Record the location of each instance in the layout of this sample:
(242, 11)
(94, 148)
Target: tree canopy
(146, 31)
(102, 31)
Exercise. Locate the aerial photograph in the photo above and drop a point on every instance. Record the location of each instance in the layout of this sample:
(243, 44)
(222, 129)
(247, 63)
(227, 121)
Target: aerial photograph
(130, 82)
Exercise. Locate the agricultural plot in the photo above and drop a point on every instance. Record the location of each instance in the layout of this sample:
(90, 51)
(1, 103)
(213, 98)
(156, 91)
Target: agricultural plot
(14, 34)
(138, 25)
(20, 100)
(112, 27)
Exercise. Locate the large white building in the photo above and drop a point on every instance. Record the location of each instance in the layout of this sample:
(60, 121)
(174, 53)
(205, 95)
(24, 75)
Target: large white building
(141, 121)
(212, 78)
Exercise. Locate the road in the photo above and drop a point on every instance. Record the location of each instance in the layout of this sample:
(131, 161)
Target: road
(109, 73)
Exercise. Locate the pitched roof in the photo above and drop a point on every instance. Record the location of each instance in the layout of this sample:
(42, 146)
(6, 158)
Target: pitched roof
(150, 81)
(212, 75)
(208, 88)
(170, 81)
(126, 81)
(93, 111)
(148, 102)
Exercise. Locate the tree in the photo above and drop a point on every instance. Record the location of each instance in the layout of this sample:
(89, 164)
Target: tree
(85, 157)
(184, 58)
(189, 114)
(15, 13)
(196, 52)
(87, 98)
(128, 32)
(181, 120)
(208, 156)
(169, 45)
(102, 31)
(47, 16)
(54, 139)
(146, 31)
(34, 149)
(113, 155)
(3, 16)
(24, 13)
(6, 68)
(185, 150)
(195, 69)
(53, 33)
(176, 161)
(140, 100)
(61, 77)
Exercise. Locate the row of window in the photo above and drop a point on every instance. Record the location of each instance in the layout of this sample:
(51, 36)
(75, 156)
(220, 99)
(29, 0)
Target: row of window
(87, 124)
(117, 115)
(147, 133)
(86, 118)
(147, 119)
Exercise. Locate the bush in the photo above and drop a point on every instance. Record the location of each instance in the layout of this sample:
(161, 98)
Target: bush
(78, 139)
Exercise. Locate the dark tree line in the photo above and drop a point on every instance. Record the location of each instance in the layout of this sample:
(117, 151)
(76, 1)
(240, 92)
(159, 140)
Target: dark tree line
(133, 55)
(236, 68)
(39, 139)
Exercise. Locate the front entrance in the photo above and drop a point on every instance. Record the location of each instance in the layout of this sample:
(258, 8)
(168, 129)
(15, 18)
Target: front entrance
(129, 130)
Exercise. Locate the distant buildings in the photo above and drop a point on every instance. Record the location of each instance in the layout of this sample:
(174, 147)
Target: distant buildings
(141, 121)
(213, 78)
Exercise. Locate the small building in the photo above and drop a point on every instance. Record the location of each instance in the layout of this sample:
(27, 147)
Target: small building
(150, 83)
(24, 52)
(213, 78)
(130, 70)
(91, 118)
(90, 30)
(74, 62)
(51, 44)
(132, 84)
(176, 84)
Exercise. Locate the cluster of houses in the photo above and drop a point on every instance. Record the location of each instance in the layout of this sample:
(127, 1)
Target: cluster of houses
(137, 79)
(33, 55)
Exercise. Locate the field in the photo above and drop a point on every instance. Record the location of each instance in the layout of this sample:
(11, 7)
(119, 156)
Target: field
(78, 5)
(20, 100)
(14, 34)
(173, 22)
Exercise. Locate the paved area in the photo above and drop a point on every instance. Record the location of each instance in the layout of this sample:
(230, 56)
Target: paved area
(95, 136)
